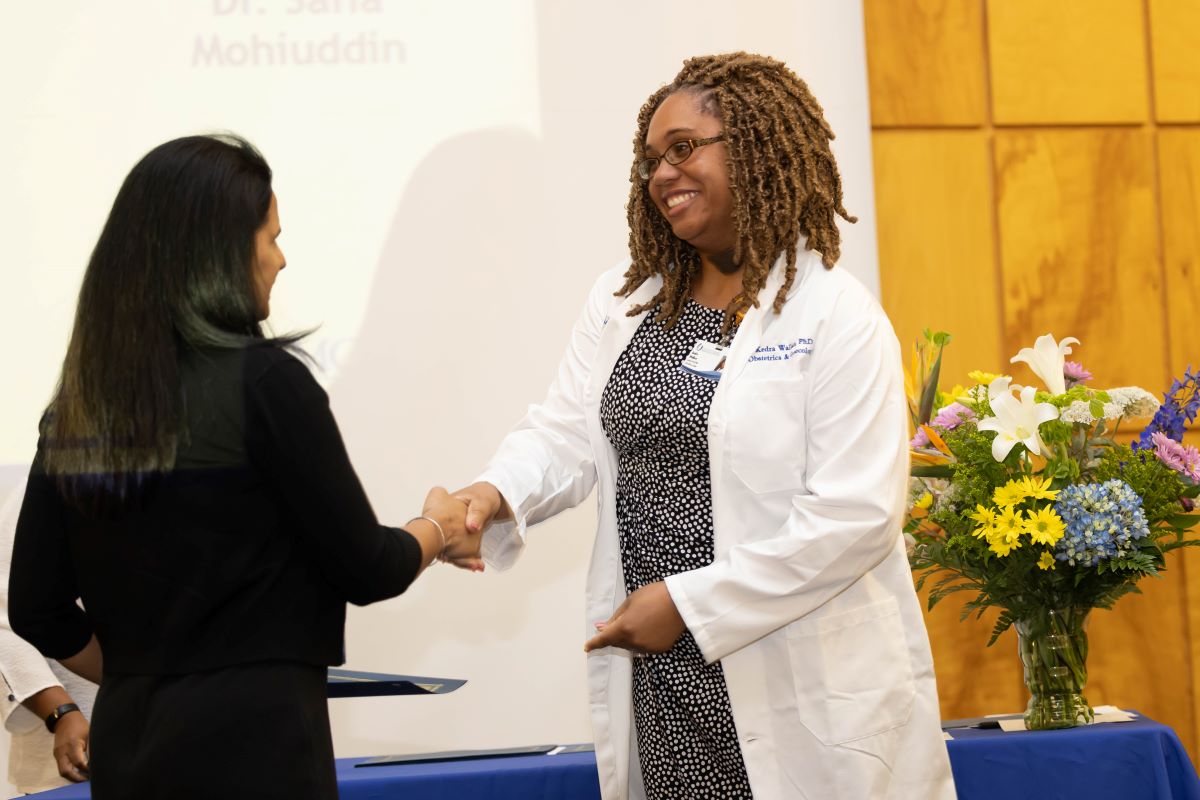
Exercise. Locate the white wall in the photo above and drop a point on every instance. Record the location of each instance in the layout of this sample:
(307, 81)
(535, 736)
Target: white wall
(445, 203)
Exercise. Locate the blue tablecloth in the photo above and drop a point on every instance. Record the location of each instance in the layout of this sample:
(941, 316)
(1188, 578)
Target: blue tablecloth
(1139, 760)
(569, 776)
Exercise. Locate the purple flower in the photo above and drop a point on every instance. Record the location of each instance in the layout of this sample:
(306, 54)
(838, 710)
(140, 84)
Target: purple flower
(947, 419)
(1074, 372)
(952, 416)
(1184, 459)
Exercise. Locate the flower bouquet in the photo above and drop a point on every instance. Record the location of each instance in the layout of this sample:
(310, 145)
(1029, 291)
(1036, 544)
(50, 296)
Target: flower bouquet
(1024, 497)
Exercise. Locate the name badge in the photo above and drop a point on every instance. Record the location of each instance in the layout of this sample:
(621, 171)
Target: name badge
(706, 360)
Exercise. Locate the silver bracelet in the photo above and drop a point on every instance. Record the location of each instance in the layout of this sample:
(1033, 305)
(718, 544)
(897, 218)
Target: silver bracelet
(437, 525)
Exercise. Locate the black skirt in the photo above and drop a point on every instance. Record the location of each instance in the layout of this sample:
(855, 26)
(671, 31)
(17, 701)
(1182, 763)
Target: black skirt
(252, 730)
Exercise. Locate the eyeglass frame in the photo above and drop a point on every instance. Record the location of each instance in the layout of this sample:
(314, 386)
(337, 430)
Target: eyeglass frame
(692, 145)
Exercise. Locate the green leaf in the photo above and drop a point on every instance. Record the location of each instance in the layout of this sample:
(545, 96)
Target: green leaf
(941, 594)
(1003, 623)
(929, 393)
(1183, 521)
(1097, 409)
(932, 471)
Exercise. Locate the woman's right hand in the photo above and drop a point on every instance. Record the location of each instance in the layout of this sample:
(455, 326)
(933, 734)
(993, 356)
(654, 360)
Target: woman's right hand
(484, 505)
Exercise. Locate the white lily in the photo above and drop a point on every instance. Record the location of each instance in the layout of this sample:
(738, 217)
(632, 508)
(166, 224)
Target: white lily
(1046, 358)
(1017, 421)
(1000, 386)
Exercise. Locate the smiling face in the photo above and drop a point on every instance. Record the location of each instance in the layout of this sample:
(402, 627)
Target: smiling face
(694, 196)
(268, 258)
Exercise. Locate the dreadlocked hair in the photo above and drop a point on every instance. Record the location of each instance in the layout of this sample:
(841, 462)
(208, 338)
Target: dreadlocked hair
(783, 178)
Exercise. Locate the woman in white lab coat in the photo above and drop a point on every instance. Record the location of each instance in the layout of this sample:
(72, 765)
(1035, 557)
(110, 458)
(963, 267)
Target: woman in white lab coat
(737, 400)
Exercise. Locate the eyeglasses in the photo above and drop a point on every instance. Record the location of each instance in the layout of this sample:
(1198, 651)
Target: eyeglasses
(676, 154)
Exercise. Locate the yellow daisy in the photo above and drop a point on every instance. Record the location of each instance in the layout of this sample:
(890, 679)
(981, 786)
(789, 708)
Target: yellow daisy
(1009, 494)
(1005, 535)
(959, 392)
(1046, 561)
(982, 377)
(1039, 489)
(924, 501)
(1001, 547)
(1044, 526)
(1008, 526)
(985, 517)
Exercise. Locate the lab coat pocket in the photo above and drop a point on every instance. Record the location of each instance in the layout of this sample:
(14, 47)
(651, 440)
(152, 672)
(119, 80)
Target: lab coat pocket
(767, 442)
(852, 672)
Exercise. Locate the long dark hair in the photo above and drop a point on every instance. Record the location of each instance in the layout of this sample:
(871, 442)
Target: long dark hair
(172, 270)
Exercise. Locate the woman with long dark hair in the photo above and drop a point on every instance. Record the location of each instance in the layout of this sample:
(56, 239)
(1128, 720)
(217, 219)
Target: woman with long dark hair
(192, 489)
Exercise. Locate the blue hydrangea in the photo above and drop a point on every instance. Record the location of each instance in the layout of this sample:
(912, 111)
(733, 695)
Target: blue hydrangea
(1103, 521)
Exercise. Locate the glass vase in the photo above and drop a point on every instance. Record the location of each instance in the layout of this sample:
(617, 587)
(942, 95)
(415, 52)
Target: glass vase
(1053, 646)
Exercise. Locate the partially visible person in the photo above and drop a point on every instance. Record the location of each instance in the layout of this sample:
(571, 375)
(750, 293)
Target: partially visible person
(192, 489)
(49, 738)
(736, 400)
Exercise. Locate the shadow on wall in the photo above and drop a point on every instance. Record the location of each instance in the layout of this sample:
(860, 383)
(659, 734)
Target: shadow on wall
(11, 476)
(438, 369)
(464, 329)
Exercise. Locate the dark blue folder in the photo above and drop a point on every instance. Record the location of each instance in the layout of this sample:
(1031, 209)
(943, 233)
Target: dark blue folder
(351, 683)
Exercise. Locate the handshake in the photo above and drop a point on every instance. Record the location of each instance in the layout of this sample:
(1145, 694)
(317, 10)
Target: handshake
(647, 622)
(460, 518)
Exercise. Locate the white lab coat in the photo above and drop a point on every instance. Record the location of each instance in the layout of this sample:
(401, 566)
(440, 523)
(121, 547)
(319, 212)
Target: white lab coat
(809, 602)
(25, 672)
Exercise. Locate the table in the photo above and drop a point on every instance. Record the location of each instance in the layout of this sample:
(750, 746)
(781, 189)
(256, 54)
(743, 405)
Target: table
(1140, 760)
(569, 776)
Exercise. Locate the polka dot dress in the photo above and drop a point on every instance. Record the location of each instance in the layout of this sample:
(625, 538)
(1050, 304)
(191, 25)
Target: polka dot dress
(656, 417)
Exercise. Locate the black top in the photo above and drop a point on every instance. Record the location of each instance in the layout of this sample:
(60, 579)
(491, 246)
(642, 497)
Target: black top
(247, 551)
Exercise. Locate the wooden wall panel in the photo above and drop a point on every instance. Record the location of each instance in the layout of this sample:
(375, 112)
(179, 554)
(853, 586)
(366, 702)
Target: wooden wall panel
(1086, 223)
(973, 679)
(925, 62)
(1175, 37)
(1140, 654)
(1179, 167)
(1079, 249)
(934, 209)
(1067, 61)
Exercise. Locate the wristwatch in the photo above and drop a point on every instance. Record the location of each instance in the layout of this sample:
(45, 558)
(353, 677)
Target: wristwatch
(54, 716)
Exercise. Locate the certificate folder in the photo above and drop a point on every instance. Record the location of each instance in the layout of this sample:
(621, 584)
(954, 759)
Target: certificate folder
(977, 722)
(351, 683)
(472, 755)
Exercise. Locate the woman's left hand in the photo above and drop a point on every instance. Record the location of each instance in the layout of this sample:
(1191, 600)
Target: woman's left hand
(71, 747)
(647, 622)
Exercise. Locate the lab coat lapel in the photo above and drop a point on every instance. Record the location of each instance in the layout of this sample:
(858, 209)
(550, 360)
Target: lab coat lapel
(749, 335)
(617, 333)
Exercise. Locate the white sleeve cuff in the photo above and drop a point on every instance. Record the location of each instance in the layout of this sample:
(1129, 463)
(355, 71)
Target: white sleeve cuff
(687, 610)
(503, 542)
